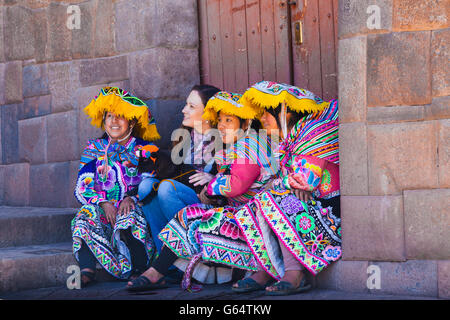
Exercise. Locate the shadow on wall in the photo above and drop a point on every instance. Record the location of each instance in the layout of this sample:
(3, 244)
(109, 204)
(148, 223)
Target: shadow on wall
(168, 117)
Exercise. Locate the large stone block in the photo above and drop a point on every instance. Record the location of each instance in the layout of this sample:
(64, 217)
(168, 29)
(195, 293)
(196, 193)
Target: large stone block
(9, 133)
(60, 37)
(35, 107)
(420, 15)
(444, 279)
(440, 61)
(438, 109)
(427, 223)
(444, 153)
(398, 69)
(35, 80)
(33, 140)
(372, 228)
(353, 159)
(411, 278)
(16, 184)
(63, 82)
(24, 33)
(104, 70)
(13, 82)
(392, 114)
(173, 23)
(2, 39)
(62, 141)
(163, 73)
(103, 37)
(72, 201)
(50, 185)
(352, 79)
(168, 117)
(82, 43)
(364, 16)
(152, 23)
(18, 33)
(350, 276)
(402, 156)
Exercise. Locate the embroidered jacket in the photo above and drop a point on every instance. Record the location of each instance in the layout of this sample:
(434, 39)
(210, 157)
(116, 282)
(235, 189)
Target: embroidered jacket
(310, 155)
(93, 187)
(243, 169)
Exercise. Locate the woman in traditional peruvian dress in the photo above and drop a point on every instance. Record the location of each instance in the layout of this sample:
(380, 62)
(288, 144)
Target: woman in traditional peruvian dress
(110, 228)
(243, 170)
(295, 225)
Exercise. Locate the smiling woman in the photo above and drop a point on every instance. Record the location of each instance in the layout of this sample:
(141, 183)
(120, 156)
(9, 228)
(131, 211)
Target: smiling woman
(110, 227)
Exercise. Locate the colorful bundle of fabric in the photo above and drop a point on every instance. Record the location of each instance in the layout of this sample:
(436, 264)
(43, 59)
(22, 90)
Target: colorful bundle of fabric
(107, 178)
(212, 233)
(310, 231)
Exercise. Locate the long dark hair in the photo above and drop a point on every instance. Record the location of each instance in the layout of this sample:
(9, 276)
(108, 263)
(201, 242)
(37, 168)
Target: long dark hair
(296, 116)
(206, 92)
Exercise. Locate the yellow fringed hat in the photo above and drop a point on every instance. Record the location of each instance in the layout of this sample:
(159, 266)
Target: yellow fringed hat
(269, 94)
(229, 103)
(123, 104)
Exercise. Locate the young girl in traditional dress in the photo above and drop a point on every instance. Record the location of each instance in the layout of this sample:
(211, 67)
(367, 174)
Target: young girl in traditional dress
(244, 169)
(110, 228)
(295, 225)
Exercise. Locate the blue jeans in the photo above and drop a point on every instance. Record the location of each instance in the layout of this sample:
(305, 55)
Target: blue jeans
(172, 196)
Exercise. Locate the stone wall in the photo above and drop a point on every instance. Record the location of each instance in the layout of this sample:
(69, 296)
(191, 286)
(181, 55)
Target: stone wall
(49, 72)
(394, 91)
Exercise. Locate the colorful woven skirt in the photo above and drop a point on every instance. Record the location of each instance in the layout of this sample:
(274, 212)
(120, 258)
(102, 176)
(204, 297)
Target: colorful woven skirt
(211, 233)
(310, 231)
(104, 241)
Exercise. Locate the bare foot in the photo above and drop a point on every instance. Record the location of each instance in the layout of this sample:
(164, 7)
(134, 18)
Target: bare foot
(294, 277)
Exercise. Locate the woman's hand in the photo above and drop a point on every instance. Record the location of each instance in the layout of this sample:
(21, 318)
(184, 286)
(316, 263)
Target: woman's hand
(303, 195)
(126, 206)
(203, 198)
(200, 178)
(110, 212)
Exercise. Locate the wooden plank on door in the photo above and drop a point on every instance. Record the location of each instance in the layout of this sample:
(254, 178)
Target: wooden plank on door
(203, 36)
(327, 49)
(311, 34)
(254, 48)
(300, 50)
(240, 45)
(268, 41)
(227, 41)
(214, 43)
(282, 42)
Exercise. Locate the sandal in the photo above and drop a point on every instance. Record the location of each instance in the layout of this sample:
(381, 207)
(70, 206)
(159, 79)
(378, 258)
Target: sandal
(284, 288)
(249, 285)
(91, 278)
(142, 283)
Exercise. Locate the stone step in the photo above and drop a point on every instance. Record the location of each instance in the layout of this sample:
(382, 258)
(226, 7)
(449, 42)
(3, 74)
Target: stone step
(35, 266)
(21, 226)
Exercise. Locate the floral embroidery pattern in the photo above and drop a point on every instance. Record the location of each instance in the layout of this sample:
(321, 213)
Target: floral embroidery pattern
(292, 205)
(304, 223)
(332, 253)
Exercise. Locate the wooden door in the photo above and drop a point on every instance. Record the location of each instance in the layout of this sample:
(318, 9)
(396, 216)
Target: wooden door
(246, 41)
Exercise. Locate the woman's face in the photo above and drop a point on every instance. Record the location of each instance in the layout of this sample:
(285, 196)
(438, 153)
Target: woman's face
(116, 127)
(228, 127)
(193, 110)
(270, 124)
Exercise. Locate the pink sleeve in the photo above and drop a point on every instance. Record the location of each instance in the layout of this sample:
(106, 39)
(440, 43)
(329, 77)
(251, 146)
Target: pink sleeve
(241, 177)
